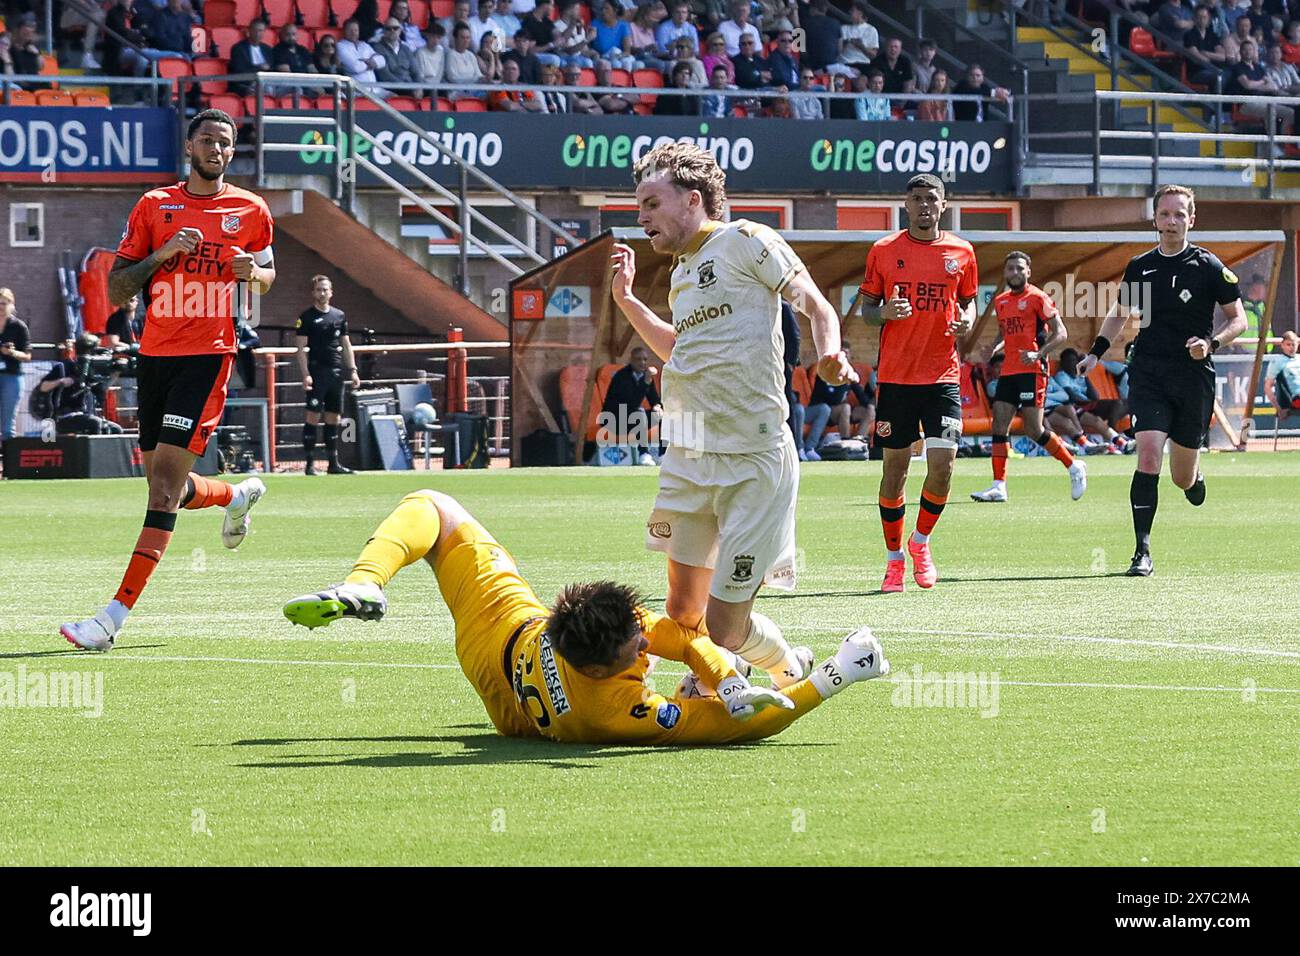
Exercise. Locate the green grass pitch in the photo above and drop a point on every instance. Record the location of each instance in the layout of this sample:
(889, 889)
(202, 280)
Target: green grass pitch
(1136, 721)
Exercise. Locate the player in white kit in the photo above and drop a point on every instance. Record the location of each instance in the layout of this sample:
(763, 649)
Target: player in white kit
(730, 478)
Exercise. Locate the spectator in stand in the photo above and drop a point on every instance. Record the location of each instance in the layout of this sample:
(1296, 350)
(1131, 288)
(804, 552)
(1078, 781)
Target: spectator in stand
(859, 40)
(935, 111)
(539, 26)
(677, 27)
(1285, 355)
(553, 98)
(684, 52)
(1203, 48)
(782, 62)
(923, 66)
(1263, 13)
(777, 15)
(15, 348)
(509, 23)
(790, 336)
(615, 104)
(326, 56)
(732, 30)
(1291, 45)
(167, 33)
(461, 12)
(1233, 41)
(826, 400)
(872, 104)
(715, 56)
(573, 37)
(432, 57)
(844, 108)
(288, 56)
(709, 14)
(483, 24)
(630, 389)
(1097, 417)
(716, 105)
(410, 33)
(514, 101)
(367, 17)
(1282, 74)
(974, 83)
(489, 57)
(821, 40)
(522, 7)
(752, 71)
(530, 65)
(806, 107)
(250, 55)
(675, 104)
(1250, 80)
(399, 61)
(896, 66)
(644, 46)
(359, 59)
(119, 59)
(613, 38)
(579, 102)
(120, 330)
(1172, 20)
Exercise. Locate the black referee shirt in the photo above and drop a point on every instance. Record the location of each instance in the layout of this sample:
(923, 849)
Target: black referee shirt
(1177, 295)
(324, 332)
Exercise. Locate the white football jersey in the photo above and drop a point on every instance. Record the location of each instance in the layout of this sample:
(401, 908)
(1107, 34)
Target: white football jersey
(724, 386)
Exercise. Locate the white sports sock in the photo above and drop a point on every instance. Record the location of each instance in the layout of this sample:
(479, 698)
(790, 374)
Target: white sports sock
(1000, 484)
(895, 555)
(237, 497)
(118, 612)
(920, 538)
(765, 647)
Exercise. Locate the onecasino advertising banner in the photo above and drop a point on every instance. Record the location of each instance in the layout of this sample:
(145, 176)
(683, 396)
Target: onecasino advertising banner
(758, 155)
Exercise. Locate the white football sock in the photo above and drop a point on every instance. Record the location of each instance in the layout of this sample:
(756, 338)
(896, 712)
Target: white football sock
(895, 555)
(920, 538)
(765, 647)
(118, 612)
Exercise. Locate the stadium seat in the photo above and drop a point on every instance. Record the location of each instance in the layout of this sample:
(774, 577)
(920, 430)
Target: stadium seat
(439, 9)
(232, 104)
(211, 66)
(620, 78)
(173, 70)
(198, 40)
(219, 13)
(246, 11)
(1103, 383)
(419, 12)
(648, 79)
(325, 103)
(92, 285)
(49, 64)
(335, 32)
(802, 387)
(268, 103)
(54, 98)
(314, 13)
(444, 105)
(362, 104)
(222, 39)
(470, 105)
(643, 109)
(976, 412)
(406, 104)
(22, 98)
(573, 387)
(1142, 43)
(278, 12)
(587, 77)
(92, 98)
(384, 7)
(343, 9)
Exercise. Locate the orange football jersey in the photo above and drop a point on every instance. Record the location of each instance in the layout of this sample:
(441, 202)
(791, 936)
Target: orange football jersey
(191, 298)
(933, 275)
(1023, 317)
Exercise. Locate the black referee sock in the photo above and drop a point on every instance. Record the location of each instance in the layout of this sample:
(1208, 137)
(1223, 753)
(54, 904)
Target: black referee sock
(1196, 491)
(331, 434)
(308, 439)
(1143, 496)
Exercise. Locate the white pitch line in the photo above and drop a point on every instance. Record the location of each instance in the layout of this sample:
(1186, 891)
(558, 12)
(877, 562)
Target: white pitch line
(1091, 686)
(261, 660)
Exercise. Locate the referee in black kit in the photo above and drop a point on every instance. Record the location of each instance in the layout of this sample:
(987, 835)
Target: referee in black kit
(1174, 288)
(324, 360)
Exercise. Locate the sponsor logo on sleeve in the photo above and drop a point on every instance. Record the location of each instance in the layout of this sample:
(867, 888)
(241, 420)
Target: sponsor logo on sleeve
(551, 675)
(667, 715)
(1229, 275)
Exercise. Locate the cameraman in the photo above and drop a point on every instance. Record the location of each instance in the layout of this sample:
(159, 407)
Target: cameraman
(79, 389)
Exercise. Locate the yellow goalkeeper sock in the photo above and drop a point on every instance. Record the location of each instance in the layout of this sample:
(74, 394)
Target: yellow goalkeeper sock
(403, 538)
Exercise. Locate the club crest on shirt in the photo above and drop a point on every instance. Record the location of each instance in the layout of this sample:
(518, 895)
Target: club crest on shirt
(744, 568)
(230, 224)
(950, 266)
(1185, 295)
(1023, 304)
(707, 275)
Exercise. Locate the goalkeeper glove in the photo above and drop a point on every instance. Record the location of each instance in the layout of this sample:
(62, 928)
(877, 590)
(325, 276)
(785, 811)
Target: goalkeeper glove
(743, 700)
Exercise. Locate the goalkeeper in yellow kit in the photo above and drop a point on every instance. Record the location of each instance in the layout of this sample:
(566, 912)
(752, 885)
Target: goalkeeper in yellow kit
(574, 672)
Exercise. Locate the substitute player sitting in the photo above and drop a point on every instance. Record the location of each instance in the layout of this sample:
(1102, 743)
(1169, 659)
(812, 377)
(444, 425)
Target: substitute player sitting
(1029, 330)
(574, 672)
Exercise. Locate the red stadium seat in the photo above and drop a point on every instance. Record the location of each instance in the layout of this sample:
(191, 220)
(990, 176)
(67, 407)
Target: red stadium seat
(648, 79)
(279, 12)
(223, 39)
(441, 9)
(55, 98)
(587, 77)
(444, 105)
(219, 13)
(211, 66)
(620, 78)
(92, 98)
(232, 104)
(406, 104)
(643, 109)
(1142, 43)
(173, 70)
(384, 7)
(246, 11)
(419, 12)
(315, 13)
(471, 105)
(364, 104)
(22, 98)
(343, 9)
(325, 103)
(268, 103)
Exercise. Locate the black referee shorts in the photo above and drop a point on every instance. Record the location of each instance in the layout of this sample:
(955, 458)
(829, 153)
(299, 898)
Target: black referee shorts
(1179, 403)
(326, 392)
(903, 411)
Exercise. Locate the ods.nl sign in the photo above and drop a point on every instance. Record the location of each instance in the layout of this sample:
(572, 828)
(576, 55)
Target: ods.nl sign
(85, 145)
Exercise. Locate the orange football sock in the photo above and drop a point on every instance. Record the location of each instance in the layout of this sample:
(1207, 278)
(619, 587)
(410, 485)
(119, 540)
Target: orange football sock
(203, 492)
(892, 511)
(931, 508)
(149, 547)
(1053, 445)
